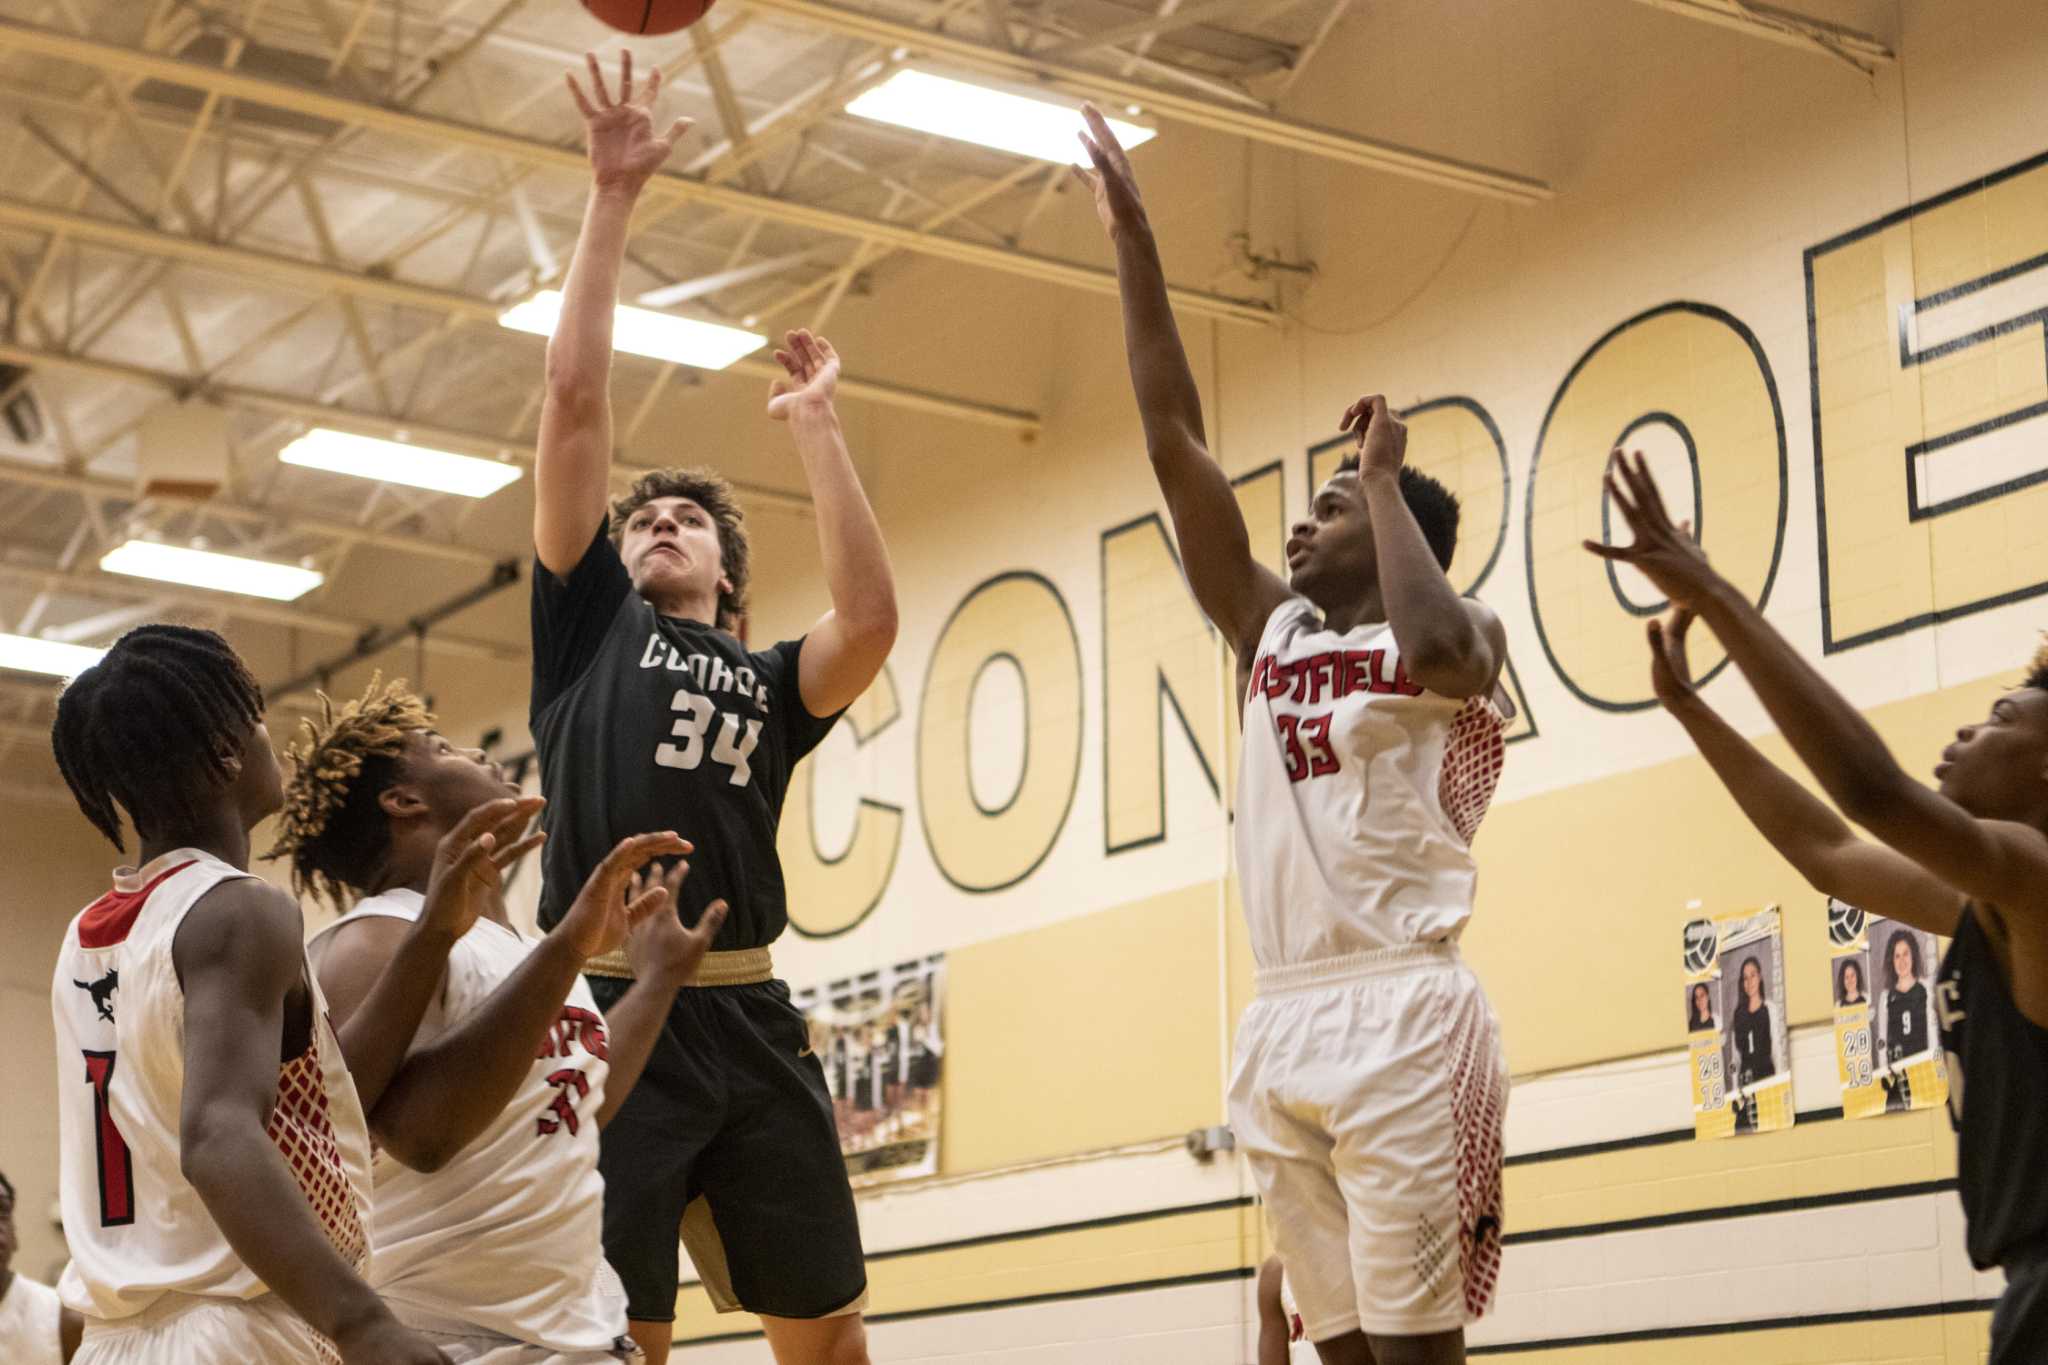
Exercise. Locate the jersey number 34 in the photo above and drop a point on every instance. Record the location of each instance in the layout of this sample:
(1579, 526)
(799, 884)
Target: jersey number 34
(733, 746)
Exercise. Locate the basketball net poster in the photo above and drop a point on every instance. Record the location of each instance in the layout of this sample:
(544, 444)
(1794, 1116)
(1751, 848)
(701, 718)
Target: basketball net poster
(879, 1037)
(1887, 1045)
(1736, 1034)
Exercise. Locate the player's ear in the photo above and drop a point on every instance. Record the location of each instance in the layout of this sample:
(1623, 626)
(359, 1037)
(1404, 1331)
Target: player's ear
(402, 801)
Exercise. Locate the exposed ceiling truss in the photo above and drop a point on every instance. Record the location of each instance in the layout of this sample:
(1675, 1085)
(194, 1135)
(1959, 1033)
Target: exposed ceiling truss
(311, 211)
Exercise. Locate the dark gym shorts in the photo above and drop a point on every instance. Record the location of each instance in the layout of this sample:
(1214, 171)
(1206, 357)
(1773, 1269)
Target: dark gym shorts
(729, 1140)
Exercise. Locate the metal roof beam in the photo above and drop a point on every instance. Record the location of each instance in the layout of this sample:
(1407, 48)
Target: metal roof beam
(323, 279)
(70, 47)
(1254, 124)
(306, 410)
(1859, 50)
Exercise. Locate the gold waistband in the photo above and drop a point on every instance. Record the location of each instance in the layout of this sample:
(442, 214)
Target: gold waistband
(741, 967)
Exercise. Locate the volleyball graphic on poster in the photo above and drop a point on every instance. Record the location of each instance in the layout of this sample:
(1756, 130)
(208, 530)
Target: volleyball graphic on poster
(880, 1038)
(1887, 1046)
(1737, 1042)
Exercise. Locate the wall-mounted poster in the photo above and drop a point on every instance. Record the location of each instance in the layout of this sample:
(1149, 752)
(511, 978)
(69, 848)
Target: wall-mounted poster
(1887, 1047)
(880, 1040)
(1735, 1024)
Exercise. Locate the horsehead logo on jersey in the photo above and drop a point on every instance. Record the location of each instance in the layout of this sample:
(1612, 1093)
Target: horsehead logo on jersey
(102, 992)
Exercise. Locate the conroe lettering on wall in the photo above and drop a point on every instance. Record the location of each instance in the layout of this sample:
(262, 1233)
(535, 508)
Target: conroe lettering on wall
(1929, 376)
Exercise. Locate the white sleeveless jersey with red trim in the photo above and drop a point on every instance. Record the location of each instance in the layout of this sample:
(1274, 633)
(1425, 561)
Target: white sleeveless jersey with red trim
(1358, 794)
(136, 1228)
(508, 1235)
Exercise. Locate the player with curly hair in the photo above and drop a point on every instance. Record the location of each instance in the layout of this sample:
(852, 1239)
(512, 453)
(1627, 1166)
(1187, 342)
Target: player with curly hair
(487, 1207)
(649, 710)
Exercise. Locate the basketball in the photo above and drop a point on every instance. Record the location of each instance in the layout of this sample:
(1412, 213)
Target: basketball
(648, 16)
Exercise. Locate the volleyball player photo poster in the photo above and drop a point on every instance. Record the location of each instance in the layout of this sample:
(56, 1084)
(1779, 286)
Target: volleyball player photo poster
(880, 1038)
(1887, 1046)
(1736, 1034)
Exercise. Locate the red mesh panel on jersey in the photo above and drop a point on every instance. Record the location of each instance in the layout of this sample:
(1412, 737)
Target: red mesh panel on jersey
(1471, 768)
(304, 1137)
(1479, 1106)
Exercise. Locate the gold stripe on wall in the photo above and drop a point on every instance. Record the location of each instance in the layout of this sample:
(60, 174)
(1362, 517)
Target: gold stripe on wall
(1197, 1243)
(1837, 1156)
(1933, 1339)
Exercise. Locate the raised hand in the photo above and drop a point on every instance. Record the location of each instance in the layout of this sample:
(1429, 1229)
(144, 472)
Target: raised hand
(1111, 182)
(813, 376)
(603, 912)
(470, 861)
(1382, 438)
(660, 949)
(624, 150)
(1670, 669)
(1664, 550)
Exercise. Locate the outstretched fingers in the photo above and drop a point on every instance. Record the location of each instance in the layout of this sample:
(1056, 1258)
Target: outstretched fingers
(583, 104)
(709, 923)
(513, 852)
(599, 95)
(1102, 138)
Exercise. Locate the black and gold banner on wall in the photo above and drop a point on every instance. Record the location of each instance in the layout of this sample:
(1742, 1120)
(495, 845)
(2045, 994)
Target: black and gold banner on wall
(1887, 1046)
(881, 1041)
(1737, 1037)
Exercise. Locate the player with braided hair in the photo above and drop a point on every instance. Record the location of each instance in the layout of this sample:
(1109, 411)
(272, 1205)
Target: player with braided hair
(214, 1159)
(488, 1205)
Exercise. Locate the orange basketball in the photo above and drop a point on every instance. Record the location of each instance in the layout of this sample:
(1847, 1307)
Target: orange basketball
(648, 16)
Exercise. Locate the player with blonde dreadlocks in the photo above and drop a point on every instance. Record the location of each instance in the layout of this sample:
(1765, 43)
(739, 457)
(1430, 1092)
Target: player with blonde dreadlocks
(487, 1207)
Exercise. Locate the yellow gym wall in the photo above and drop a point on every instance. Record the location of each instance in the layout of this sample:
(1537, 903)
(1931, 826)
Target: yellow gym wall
(1037, 787)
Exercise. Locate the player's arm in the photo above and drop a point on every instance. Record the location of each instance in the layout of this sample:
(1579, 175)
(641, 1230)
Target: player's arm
(447, 1093)
(1274, 1331)
(1998, 861)
(572, 465)
(665, 958)
(238, 955)
(847, 647)
(1452, 645)
(70, 1332)
(1804, 829)
(379, 1010)
(1235, 591)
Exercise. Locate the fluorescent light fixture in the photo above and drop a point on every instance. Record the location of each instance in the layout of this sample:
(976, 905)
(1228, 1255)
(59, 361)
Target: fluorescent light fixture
(367, 457)
(27, 654)
(206, 569)
(642, 331)
(1008, 122)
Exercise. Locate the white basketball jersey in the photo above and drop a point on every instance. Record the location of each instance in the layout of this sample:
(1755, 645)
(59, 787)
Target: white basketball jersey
(508, 1236)
(31, 1324)
(137, 1229)
(1358, 795)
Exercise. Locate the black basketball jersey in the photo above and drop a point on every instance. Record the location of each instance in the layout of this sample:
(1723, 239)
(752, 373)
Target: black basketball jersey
(2001, 1123)
(644, 722)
